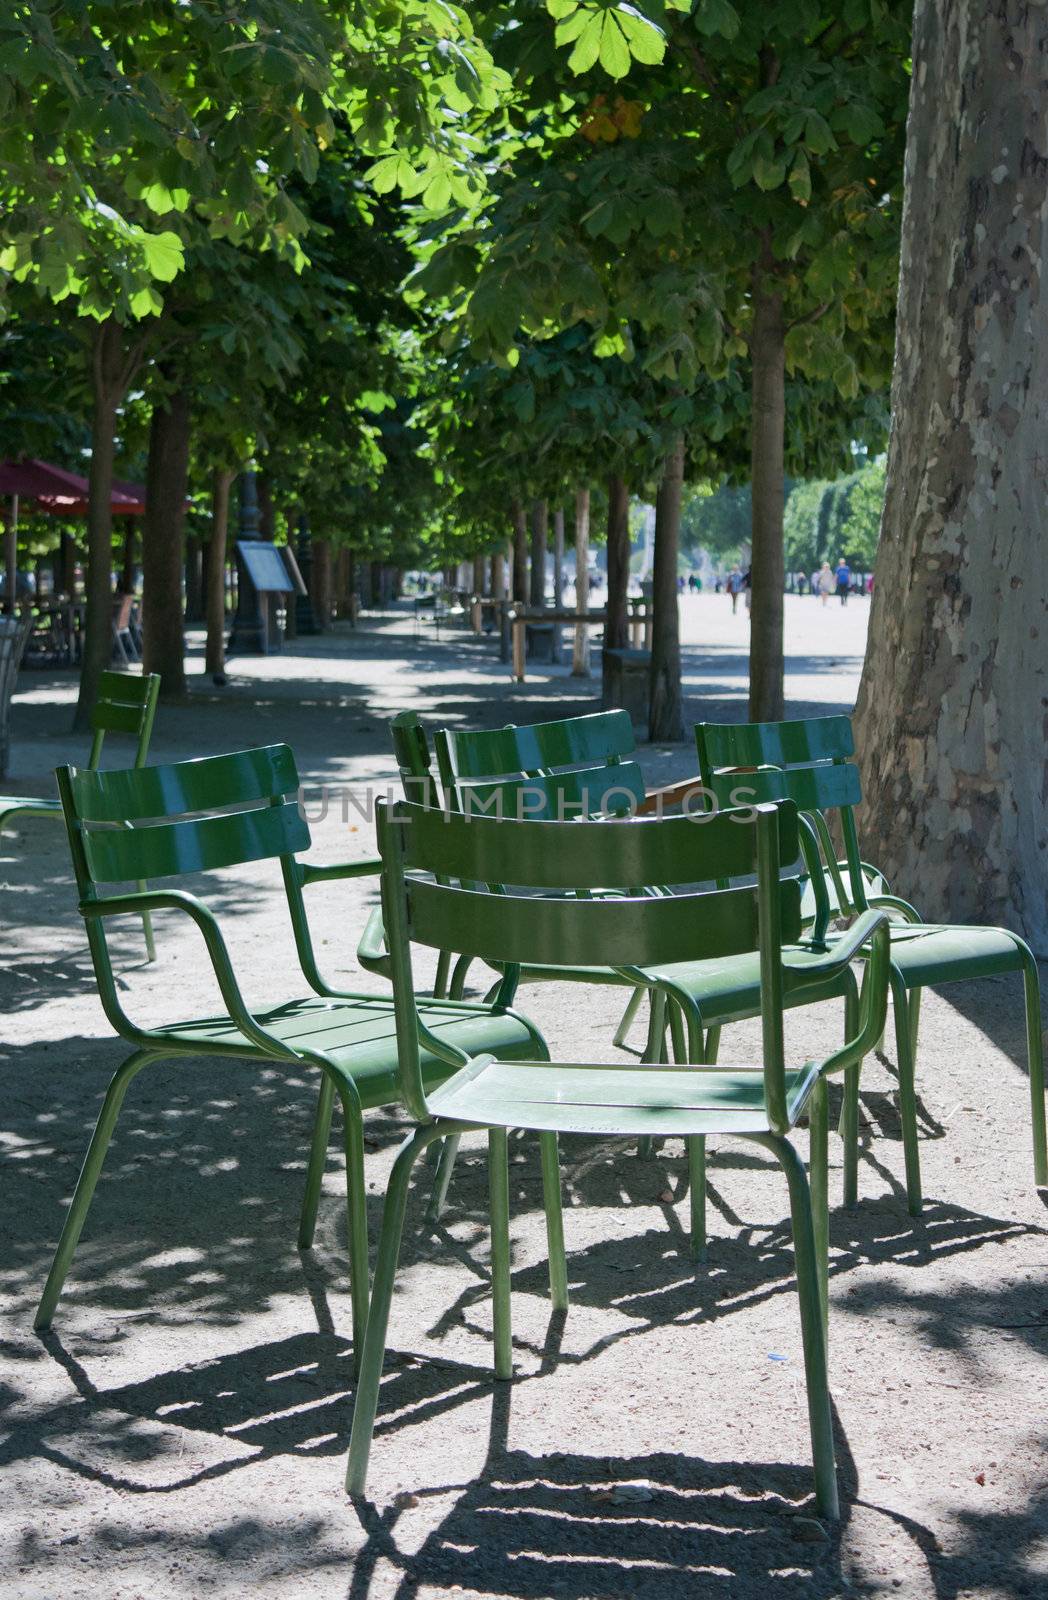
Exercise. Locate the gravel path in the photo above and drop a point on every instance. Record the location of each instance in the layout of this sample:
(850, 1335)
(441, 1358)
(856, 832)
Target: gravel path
(182, 1431)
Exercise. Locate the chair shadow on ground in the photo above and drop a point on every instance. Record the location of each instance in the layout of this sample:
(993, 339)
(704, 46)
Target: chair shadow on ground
(526, 1527)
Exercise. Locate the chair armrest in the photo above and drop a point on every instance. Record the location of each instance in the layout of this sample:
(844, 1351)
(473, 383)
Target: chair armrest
(179, 900)
(894, 902)
(872, 929)
(675, 794)
(345, 869)
(372, 954)
(849, 945)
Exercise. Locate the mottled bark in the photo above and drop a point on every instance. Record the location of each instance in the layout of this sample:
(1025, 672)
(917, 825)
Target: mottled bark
(215, 649)
(616, 630)
(767, 564)
(163, 635)
(952, 709)
(665, 704)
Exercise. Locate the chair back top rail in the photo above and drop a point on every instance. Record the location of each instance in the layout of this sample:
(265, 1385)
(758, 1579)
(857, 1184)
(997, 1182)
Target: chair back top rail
(488, 753)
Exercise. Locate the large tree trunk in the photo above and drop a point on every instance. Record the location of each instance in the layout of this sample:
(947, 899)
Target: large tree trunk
(580, 660)
(215, 588)
(163, 634)
(539, 541)
(617, 628)
(112, 366)
(951, 717)
(665, 704)
(322, 583)
(767, 565)
(520, 554)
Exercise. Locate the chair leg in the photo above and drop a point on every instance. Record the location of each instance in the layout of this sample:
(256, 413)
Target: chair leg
(374, 1351)
(849, 1126)
(697, 1193)
(712, 1046)
(818, 1167)
(820, 1418)
(80, 1204)
(498, 1185)
(558, 1267)
(307, 1221)
(653, 1052)
(357, 1213)
(445, 1167)
(147, 929)
(1035, 1061)
(913, 1000)
(633, 1005)
(440, 982)
(457, 985)
(907, 1094)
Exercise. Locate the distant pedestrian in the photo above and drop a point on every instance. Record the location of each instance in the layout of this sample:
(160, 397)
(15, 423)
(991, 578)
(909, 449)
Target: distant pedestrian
(734, 586)
(815, 581)
(747, 587)
(843, 579)
(824, 581)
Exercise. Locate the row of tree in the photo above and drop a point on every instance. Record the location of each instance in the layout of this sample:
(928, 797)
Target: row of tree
(226, 267)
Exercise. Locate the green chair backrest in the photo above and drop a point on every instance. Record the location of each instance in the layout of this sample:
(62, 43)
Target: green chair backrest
(130, 824)
(569, 768)
(808, 761)
(126, 703)
(421, 846)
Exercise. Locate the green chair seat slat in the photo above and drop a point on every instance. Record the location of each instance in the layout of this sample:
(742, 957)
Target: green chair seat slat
(776, 744)
(130, 795)
(643, 931)
(810, 788)
(616, 1100)
(361, 1034)
(575, 855)
(583, 792)
(119, 855)
(486, 752)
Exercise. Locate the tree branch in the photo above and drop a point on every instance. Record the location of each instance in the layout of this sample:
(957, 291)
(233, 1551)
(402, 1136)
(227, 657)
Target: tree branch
(810, 316)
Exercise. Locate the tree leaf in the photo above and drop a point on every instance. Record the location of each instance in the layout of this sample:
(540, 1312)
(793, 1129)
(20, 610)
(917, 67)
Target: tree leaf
(164, 255)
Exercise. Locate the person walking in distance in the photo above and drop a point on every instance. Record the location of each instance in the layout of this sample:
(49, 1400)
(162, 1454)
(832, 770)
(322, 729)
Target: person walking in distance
(843, 577)
(734, 585)
(825, 582)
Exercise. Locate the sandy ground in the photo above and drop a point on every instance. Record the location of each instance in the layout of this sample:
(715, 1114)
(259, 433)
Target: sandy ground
(182, 1431)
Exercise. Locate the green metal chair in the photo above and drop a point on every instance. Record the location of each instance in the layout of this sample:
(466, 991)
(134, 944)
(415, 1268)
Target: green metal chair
(125, 704)
(762, 1102)
(224, 811)
(479, 766)
(811, 762)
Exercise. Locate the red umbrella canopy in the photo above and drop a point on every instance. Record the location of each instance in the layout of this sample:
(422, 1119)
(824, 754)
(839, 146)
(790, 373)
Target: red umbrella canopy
(62, 492)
